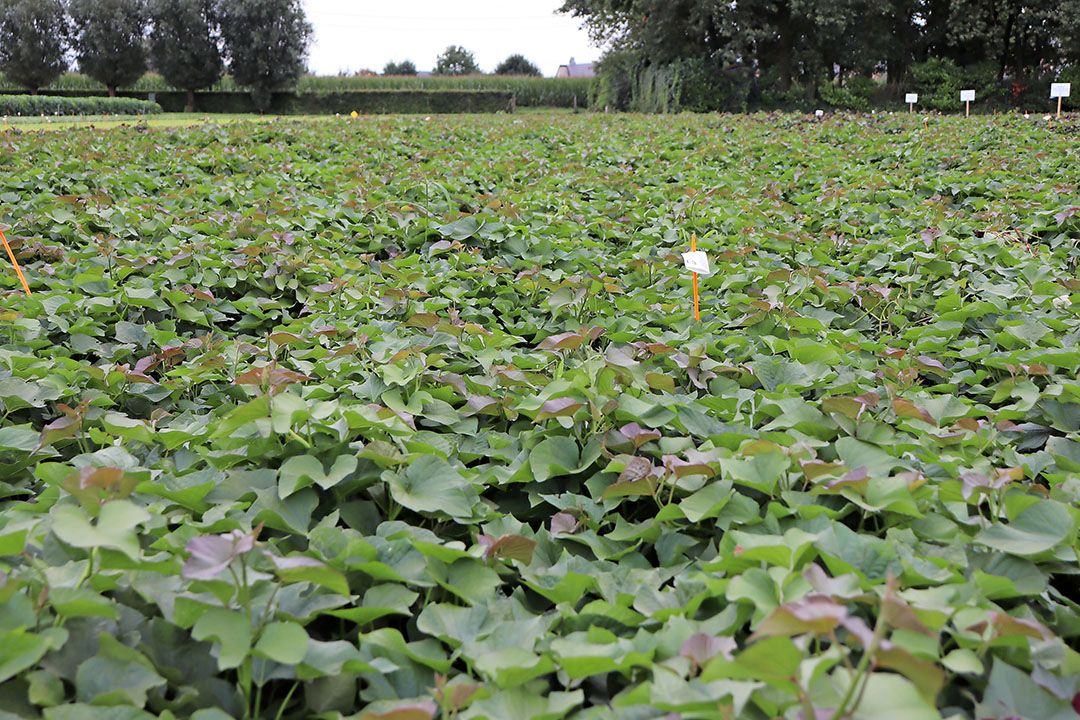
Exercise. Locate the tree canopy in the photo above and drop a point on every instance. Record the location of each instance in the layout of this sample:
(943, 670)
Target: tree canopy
(34, 36)
(517, 65)
(808, 40)
(266, 42)
(456, 60)
(110, 40)
(184, 46)
(405, 67)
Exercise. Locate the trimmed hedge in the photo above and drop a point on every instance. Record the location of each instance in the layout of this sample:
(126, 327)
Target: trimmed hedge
(34, 105)
(368, 102)
(528, 91)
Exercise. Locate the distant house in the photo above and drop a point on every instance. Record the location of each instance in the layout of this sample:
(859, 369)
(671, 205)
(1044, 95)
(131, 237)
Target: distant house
(573, 70)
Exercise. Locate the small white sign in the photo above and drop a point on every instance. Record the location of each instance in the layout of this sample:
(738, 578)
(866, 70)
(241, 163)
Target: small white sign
(697, 262)
(911, 98)
(1059, 90)
(967, 96)
(819, 113)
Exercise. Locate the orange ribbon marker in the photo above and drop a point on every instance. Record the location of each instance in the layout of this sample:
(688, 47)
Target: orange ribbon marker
(693, 248)
(22, 278)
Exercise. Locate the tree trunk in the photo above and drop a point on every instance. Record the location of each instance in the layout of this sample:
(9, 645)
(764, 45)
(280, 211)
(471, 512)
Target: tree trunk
(785, 51)
(1003, 61)
(33, 91)
(112, 90)
(189, 107)
(894, 73)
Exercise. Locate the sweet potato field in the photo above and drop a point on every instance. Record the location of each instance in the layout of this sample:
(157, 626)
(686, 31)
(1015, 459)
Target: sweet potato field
(406, 418)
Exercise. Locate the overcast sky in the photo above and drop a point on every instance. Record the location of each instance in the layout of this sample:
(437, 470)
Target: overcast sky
(364, 34)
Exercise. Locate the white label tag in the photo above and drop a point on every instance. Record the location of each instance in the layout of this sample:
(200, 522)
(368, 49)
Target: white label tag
(819, 113)
(967, 96)
(1060, 90)
(911, 98)
(697, 262)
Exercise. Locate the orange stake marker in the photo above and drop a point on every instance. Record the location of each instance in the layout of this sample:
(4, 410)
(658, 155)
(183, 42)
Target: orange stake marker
(697, 307)
(15, 263)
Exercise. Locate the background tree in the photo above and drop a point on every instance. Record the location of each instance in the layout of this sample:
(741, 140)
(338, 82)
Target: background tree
(184, 44)
(34, 36)
(405, 67)
(517, 65)
(110, 40)
(267, 42)
(810, 42)
(456, 60)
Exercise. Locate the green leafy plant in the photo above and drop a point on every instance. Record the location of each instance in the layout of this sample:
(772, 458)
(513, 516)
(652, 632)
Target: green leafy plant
(409, 418)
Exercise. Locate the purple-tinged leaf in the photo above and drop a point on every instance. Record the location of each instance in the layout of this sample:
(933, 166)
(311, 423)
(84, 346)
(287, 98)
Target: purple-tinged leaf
(508, 547)
(209, 555)
(638, 435)
(700, 648)
(1061, 217)
(857, 478)
(636, 468)
(908, 409)
(813, 614)
(848, 406)
(1006, 625)
(423, 710)
(562, 341)
(562, 522)
(976, 481)
(935, 366)
(559, 407)
(482, 405)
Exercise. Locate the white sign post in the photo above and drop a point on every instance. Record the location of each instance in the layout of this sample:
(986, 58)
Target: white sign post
(1059, 91)
(911, 99)
(967, 97)
(697, 262)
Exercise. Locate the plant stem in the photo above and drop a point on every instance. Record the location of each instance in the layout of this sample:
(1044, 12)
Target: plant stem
(807, 705)
(293, 434)
(285, 703)
(861, 670)
(244, 673)
(258, 700)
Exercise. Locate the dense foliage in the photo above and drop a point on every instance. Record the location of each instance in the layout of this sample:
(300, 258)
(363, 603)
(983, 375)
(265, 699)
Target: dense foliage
(791, 49)
(184, 45)
(339, 417)
(33, 39)
(456, 60)
(267, 42)
(109, 38)
(362, 102)
(530, 92)
(517, 65)
(33, 105)
(403, 68)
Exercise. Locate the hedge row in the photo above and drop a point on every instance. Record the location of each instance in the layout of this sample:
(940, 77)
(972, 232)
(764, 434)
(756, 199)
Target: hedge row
(528, 91)
(34, 105)
(370, 102)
